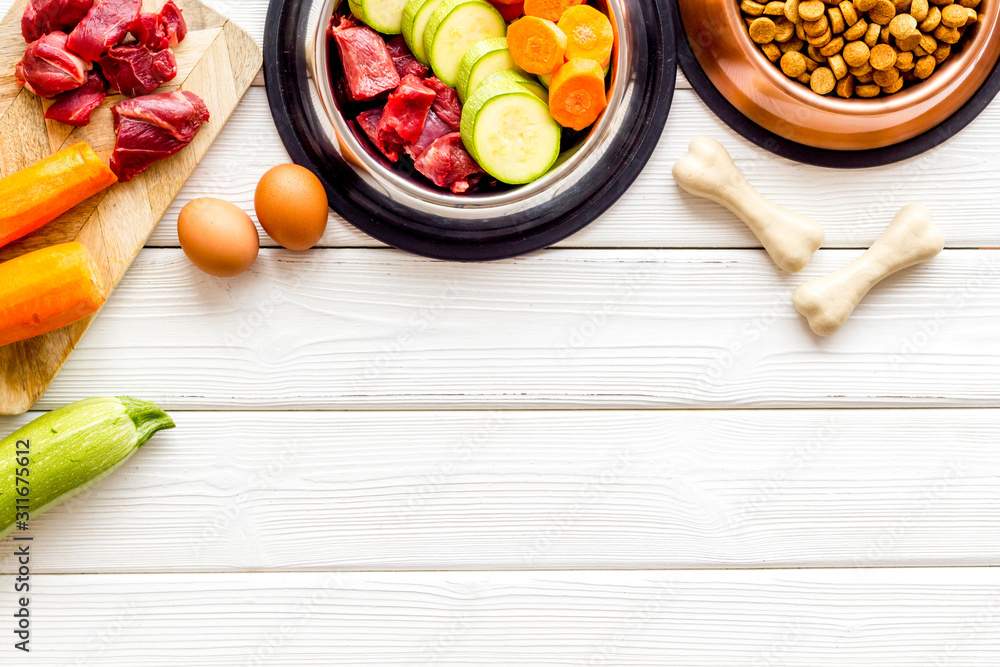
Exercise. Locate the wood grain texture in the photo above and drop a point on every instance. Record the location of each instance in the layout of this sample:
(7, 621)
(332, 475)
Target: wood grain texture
(634, 619)
(369, 329)
(538, 490)
(218, 61)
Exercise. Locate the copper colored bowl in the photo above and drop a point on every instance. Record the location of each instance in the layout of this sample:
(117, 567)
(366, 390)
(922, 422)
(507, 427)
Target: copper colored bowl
(761, 92)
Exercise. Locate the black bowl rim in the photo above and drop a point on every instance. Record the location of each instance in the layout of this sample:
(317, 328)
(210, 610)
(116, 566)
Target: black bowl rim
(374, 214)
(822, 157)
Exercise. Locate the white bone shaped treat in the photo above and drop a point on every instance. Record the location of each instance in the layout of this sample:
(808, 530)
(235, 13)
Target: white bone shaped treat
(911, 239)
(709, 172)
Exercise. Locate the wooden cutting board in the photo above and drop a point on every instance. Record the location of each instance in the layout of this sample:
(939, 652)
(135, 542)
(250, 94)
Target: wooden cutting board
(218, 61)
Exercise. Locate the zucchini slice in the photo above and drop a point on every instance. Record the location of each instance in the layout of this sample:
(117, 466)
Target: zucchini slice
(510, 132)
(480, 62)
(454, 28)
(416, 15)
(535, 88)
(384, 16)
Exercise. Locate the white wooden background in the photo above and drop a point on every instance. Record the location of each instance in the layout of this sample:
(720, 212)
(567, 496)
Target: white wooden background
(628, 450)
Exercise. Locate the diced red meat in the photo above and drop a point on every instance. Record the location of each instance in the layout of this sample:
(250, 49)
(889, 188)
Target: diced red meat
(49, 67)
(434, 129)
(369, 122)
(153, 128)
(368, 67)
(341, 23)
(403, 118)
(160, 31)
(447, 105)
(403, 59)
(44, 16)
(103, 27)
(447, 164)
(136, 70)
(172, 19)
(76, 106)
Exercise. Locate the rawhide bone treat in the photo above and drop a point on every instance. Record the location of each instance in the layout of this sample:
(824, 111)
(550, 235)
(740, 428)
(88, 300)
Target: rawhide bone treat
(911, 239)
(859, 48)
(709, 172)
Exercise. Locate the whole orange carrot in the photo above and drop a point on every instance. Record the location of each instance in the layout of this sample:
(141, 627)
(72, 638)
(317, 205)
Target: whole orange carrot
(36, 196)
(46, 290)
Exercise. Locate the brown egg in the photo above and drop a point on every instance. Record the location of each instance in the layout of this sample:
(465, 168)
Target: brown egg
(218, 237)
(292, 206)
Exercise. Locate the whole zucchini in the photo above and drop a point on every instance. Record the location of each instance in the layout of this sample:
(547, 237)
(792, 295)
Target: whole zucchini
(65, 451)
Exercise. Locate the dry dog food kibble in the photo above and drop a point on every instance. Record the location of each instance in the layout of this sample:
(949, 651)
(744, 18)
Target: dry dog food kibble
(859, 48)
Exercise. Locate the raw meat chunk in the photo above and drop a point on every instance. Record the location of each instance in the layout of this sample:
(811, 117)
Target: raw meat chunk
(49, 67)
(103, 27)
(172, 19)
(447, 164)
(447, 105)
(153, 128)
(44, 16)
(404, 61)
(434, 129)
(368, 67)
(76, 106)
(369, 122)
(160, 31)
(403, 118)
(136, 70)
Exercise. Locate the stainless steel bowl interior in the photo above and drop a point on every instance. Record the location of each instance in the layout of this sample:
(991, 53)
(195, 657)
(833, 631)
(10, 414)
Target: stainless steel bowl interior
(396, 186)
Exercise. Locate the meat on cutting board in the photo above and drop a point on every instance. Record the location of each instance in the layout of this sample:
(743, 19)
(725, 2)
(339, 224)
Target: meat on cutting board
(368, 67)
(44, 16)
(162, 30)
(137, 70)
(76, 106)
(153, 128)
(105, 25)
(49, 67)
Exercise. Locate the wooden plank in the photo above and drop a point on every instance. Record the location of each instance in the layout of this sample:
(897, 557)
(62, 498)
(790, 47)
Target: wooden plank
(538, 490)
(855, 206)
(218, 62)
(635, 619)
(376, 329)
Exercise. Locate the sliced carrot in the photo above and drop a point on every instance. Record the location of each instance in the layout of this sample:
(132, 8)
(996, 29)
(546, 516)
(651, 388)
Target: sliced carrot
(537, 45)
(589, 34)
(550, 10)
(577, 95)
(46, 290)
(509, 11)
(41, 193)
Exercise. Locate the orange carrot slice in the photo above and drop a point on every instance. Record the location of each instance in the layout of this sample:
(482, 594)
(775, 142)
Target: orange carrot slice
(589, 34)
(577, 95)
(550, 10)
(46, 290)
(41, 193)
(537, 45)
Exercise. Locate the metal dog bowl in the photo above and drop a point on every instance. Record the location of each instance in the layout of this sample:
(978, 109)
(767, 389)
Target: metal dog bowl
(753, 96)
(380, 200)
